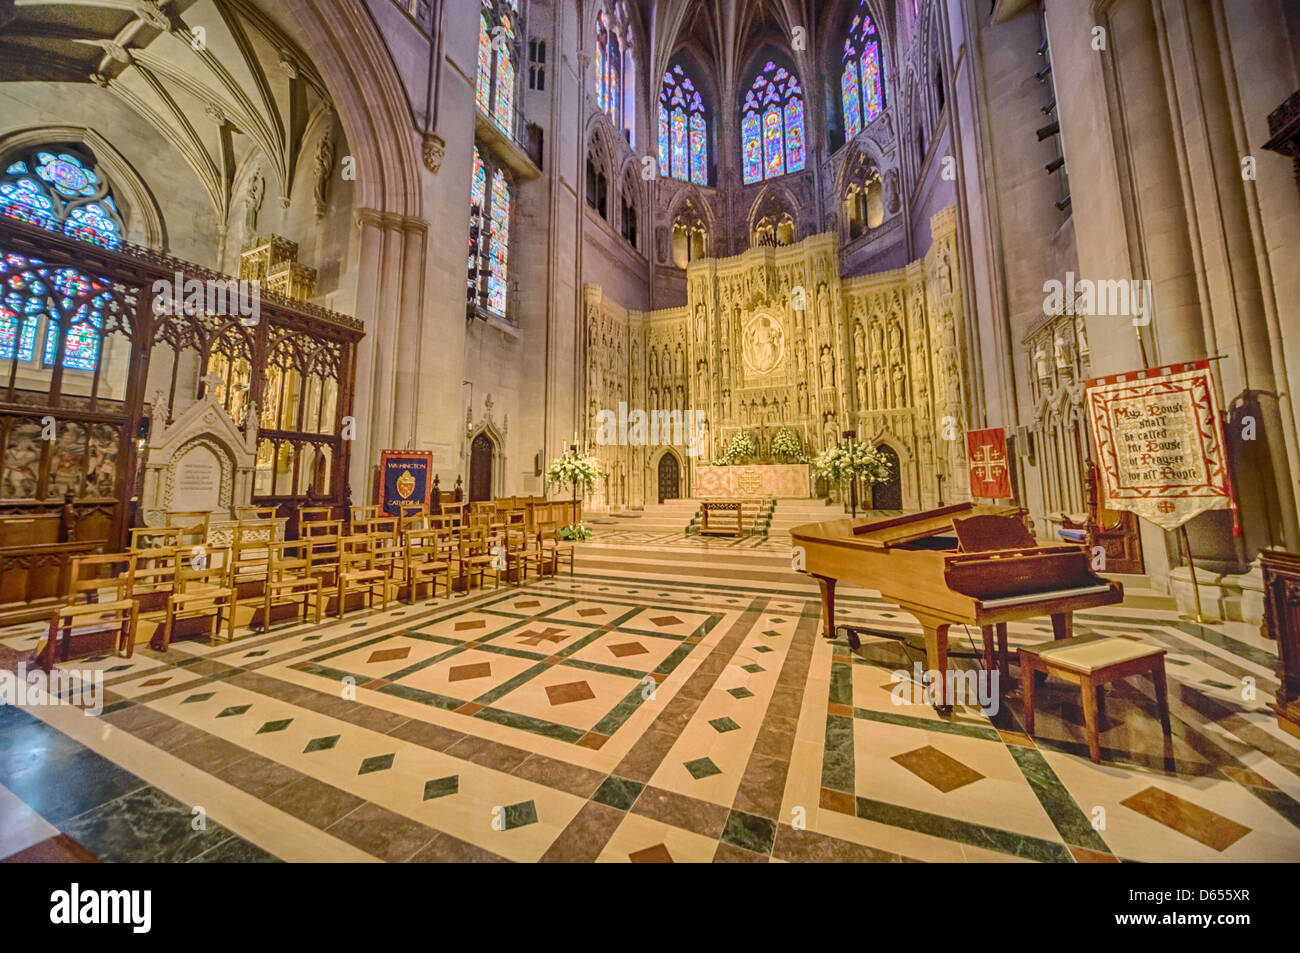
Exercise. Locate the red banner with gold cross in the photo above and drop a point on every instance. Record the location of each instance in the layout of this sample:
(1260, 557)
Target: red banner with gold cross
(986, 451)
(1159, 440)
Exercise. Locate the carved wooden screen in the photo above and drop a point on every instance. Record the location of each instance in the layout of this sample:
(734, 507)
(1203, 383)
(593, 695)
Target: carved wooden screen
(83, 336)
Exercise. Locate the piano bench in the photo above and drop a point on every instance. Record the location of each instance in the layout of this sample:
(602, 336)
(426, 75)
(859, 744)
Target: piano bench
(1091, 661)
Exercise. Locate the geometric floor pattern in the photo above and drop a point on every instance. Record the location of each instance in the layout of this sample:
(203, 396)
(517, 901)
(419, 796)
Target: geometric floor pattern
(665, 704)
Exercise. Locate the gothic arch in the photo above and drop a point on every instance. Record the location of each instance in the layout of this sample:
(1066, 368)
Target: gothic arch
(139, 208)
(368, 97)
(774, 200)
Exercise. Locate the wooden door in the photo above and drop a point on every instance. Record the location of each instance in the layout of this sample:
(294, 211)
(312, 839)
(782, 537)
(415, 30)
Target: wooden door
(670, 478)
(481, 454)
(888, 495)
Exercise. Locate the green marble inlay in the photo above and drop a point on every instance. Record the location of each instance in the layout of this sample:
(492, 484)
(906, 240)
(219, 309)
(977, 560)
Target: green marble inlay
(278, 725)
(927, 724)
(618, 792)
(837, 759)
(201, 697)
(537, 726)
(441, 787)
(493, 695)
(233, 710)
(1067, 817)
(621, 712)
(723, 724)
(702, 768)
(841, 685)
(379, 762)
(321, 744)
(740, 692)
(750, 832)
(519, 815)
(964, 832)
(433, 699)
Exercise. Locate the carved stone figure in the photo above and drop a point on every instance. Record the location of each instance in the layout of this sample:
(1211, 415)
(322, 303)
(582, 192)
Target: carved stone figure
(828, 370)
(1042, 369)
(434, 150)
(323, 164)
(1061, 350)
(253, 202)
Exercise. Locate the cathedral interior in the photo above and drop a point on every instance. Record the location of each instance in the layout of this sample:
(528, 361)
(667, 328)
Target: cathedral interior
(433, 430)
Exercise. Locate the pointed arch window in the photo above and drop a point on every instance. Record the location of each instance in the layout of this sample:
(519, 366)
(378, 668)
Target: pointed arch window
(59, 188)
(614, 66)
(683, 129)
(494, 86)
(772, 135)
(862, 81)
(491, 198)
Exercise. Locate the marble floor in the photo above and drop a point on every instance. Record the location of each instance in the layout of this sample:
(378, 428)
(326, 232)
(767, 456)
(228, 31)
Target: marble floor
(670, 701)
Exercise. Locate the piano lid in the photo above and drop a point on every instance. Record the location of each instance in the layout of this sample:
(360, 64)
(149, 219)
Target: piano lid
(895, 531)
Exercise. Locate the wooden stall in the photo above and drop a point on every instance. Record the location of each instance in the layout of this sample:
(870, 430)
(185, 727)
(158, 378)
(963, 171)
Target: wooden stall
(75, 426)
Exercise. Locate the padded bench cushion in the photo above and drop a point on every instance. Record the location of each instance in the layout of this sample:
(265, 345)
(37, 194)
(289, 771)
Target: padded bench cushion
(1089, 653)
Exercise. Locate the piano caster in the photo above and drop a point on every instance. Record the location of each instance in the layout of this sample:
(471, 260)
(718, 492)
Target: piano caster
(944, 710)
(855, 642)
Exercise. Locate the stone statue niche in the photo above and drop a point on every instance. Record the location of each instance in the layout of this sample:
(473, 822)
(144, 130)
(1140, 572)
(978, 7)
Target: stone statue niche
(202, 462)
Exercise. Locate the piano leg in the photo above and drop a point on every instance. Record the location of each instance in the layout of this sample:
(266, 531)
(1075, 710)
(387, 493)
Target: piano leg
(936, 658)
(1062, 625)
(1004, 669)
(828, 606)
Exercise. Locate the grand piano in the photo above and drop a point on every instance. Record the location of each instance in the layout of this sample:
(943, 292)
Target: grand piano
(972, 564)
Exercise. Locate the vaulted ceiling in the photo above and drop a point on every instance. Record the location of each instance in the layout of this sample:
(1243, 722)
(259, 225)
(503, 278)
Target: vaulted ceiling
(725, 34)
(217, 78)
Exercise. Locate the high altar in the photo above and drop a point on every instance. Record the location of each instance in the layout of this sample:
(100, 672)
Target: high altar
(774, 338)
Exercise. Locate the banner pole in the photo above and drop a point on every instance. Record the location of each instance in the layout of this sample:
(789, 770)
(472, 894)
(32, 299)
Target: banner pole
(1196, 589)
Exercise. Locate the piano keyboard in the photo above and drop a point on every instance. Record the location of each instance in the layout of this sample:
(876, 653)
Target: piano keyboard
(1040, 596)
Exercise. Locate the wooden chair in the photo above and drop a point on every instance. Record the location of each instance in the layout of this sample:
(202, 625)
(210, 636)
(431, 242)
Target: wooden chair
(250, 559)
(1091, 661)
(522, 550)
(477, 556)
(203, 589)
(92, 575)
(249, 513)
(118, 616)
(553, 548)
(314, 514)
(425, 562)
(361, 514)
(155, 537)
(153, 580)
(193, 525)
(290, 583)
(359, 572)
(88, 612)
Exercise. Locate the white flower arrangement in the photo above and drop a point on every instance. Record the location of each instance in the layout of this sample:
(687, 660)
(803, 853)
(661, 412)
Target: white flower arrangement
(787, 446)
(574, 466)
(741, 447)
(859, 460)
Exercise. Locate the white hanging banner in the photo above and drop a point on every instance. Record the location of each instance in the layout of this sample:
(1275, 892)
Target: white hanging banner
(1159, 440)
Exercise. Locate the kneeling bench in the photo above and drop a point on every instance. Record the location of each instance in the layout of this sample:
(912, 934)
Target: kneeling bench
(1091, 661)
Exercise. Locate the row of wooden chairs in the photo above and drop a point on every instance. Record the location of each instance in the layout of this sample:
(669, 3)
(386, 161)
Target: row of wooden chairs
(162, 581)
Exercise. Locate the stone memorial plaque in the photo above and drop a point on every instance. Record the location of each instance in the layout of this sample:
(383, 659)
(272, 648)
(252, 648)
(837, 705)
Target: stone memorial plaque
(197, 481)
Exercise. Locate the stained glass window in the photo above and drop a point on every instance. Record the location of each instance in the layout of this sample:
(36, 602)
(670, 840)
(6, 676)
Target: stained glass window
(684, 129)
(56, 187)
(494, 86)
(862, 82)
(772, 134)
(491, 215)
(498, 254)
(613, 62)
(31, 292)
(483, 88)
(52, 187)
